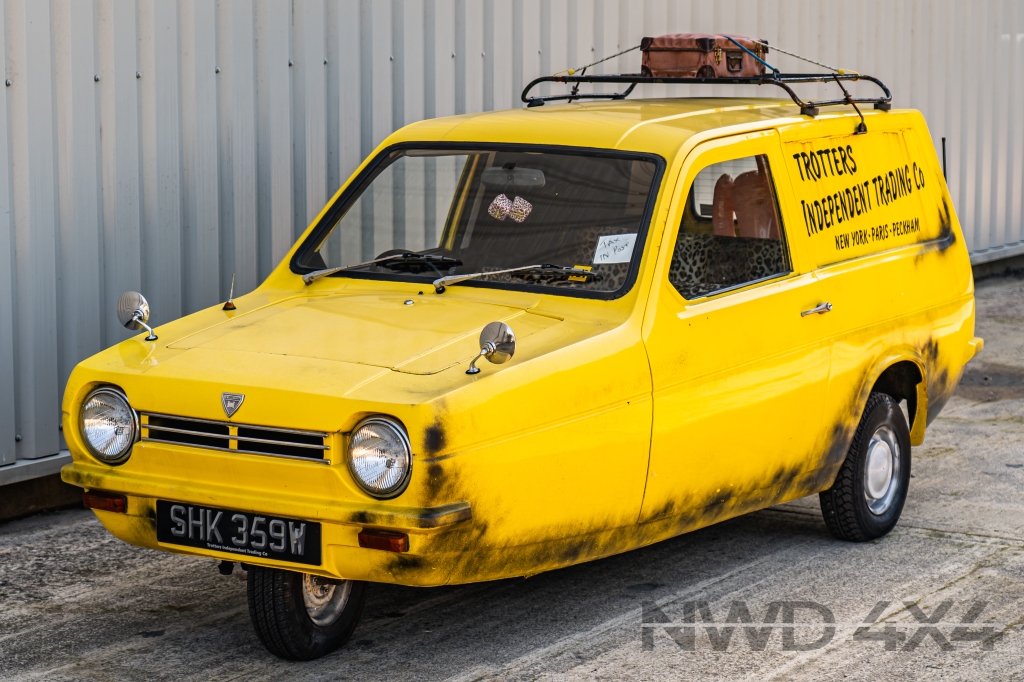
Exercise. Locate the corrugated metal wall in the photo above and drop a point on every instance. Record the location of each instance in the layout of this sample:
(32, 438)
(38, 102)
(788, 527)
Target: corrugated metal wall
(162, 146)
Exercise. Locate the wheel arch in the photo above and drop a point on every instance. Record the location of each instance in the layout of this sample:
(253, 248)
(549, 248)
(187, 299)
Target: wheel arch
(901, 374)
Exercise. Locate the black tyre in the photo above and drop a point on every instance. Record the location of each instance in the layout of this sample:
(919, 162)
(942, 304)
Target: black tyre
(299, 616)
(866, 500)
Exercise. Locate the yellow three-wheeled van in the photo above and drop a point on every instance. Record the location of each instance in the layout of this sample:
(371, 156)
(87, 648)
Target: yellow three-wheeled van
(519, 340)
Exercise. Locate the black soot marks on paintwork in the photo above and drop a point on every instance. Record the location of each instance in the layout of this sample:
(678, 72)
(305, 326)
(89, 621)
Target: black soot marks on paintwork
(435, 483)
(840, 437)
(947, 237)
(438, 556)
(930, 352)
(837, 444)
(434, 438)
(87, 481)
(408, 562)
(467, 553)
(142, 525)
(685, 513)
(937, 378)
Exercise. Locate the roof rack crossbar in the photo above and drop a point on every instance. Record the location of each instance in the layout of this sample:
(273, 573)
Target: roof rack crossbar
(781, 80)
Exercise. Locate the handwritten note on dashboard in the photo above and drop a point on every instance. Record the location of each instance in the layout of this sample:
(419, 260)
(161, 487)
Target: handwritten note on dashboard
(616, 248)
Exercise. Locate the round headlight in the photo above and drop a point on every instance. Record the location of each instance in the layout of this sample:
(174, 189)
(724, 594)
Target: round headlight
(380, 457)
(109, 425)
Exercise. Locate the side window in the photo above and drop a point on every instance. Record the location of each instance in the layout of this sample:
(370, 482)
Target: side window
(731, 232)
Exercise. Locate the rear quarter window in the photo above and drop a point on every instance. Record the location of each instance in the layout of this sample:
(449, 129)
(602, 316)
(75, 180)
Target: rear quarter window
(730, 234)
(860, 194)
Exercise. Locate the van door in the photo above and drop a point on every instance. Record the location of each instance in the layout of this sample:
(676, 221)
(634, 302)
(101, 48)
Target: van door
(739, 361)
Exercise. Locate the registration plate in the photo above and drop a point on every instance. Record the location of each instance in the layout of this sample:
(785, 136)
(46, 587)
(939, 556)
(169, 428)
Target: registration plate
(235, 532)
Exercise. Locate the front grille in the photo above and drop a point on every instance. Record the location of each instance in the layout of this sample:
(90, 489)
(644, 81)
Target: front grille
(229, 437)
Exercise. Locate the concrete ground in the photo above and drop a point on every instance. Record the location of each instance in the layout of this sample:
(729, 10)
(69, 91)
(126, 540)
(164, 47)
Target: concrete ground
(943, 593)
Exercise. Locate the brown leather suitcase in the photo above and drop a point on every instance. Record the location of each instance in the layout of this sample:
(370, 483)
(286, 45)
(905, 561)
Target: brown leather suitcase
(701, 55)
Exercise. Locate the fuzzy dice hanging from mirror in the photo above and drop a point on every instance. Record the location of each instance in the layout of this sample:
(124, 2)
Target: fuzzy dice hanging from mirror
(520, 209)
(500, 207)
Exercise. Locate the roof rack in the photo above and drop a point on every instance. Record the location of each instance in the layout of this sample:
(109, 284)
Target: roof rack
(782, 80)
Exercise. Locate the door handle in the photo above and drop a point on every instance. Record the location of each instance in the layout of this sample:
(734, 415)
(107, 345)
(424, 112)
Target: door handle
(819, 309)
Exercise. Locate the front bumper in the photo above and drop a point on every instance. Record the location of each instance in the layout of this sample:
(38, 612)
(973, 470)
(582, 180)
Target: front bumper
(341, 521)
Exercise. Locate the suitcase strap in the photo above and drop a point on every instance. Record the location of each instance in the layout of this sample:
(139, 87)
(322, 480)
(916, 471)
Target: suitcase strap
(766, 64)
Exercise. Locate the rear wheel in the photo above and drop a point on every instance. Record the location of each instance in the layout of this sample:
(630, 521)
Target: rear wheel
(866, 500)
(299, 616)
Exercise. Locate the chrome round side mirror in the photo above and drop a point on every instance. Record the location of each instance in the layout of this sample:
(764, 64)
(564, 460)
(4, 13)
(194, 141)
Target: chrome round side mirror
(133, 313)
(497, 344)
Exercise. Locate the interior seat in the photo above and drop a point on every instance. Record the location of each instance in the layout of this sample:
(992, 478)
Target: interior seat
(755, 209)
(722, 223)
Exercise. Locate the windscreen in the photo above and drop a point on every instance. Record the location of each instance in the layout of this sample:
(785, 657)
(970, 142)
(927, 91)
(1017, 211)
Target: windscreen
(482, 211)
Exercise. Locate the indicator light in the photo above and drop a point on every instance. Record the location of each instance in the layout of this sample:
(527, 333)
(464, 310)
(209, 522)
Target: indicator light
(384, 539)
(104, 501)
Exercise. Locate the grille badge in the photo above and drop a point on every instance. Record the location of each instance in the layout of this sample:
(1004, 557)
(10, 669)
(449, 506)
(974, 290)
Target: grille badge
(231, 402)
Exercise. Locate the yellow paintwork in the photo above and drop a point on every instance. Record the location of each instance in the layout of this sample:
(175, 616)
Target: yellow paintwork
(618, 423)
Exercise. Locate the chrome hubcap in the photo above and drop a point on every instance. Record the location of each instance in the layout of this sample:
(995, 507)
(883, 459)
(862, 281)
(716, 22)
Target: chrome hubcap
(324, 598)
(881, 470)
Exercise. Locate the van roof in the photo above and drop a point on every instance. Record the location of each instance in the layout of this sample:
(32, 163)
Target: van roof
(649, 125)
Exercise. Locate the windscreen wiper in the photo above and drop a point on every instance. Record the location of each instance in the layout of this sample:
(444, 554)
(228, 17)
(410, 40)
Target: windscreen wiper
(398, 261)
(441, 284)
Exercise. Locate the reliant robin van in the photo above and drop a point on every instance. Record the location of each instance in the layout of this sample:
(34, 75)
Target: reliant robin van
(518, 340)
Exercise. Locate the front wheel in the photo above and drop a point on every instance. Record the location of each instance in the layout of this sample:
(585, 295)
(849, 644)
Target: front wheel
(866, 500)
(299, 616)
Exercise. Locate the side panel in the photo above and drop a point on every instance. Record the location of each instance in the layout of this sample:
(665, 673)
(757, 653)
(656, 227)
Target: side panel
(894, 265)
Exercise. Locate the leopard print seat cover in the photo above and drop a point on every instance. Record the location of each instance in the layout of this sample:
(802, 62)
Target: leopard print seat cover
(704, 263)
